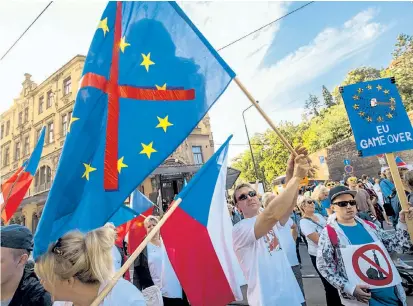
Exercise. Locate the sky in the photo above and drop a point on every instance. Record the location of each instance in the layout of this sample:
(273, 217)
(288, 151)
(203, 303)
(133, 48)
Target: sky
(280, 65)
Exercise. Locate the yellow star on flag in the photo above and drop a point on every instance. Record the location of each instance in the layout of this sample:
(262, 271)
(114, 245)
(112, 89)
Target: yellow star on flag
(70, 123)
(392, 107)
(380, 119)
(369, 119)
(163, 123)
(369, 87)
(121, 164)
(147, 149)
(392, 100)
(147, 61)
(386, 91)
(356, 106)
(379, 87)
(361, 113)
(88, 169)
(123, 44)
(359, 90)
(356, 97)
(389, 115)
(163, 87)
(103, 24)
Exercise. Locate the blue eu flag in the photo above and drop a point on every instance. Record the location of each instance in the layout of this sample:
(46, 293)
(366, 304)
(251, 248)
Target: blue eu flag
(149, 78)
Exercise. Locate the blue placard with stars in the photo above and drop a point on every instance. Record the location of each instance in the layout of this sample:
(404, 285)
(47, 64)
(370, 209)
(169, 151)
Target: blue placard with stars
(149, 77)
(377, 116)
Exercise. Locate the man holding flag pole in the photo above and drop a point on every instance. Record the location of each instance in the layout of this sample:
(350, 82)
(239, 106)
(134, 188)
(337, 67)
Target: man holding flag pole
(150, 65)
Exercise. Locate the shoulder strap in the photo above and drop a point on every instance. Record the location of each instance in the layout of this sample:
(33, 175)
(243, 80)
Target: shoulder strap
(371, 224)
(332, 234)
(316, 223)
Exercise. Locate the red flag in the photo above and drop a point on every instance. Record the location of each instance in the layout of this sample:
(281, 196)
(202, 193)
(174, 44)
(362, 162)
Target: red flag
(121, 231)
(13, 191)
(137, 231)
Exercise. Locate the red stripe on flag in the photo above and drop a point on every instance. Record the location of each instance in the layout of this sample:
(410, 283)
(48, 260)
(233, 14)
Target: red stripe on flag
(195, 261)
(14, 190)
(137, 231)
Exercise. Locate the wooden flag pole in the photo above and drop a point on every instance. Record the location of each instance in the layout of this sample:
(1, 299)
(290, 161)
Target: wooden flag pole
(261, 111)
(134, 255)
(400, 189)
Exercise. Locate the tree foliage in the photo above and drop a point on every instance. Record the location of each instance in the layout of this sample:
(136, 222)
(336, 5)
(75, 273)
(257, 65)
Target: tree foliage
(328, 97)
(322, 127)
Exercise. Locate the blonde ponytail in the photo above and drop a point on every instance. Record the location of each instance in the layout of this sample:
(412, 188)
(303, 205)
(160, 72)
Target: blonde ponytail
(87, 257)
(99, 245)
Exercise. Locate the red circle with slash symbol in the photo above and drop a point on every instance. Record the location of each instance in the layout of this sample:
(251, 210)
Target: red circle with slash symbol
(387, 271)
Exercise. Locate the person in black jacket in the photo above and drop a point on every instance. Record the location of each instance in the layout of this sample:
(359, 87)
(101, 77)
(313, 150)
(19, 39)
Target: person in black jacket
(19, 284)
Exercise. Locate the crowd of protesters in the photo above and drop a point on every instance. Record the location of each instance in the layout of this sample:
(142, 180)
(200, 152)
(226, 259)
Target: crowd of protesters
(267, 231)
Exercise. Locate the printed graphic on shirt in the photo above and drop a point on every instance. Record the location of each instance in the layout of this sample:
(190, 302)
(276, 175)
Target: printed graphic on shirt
(272, 242)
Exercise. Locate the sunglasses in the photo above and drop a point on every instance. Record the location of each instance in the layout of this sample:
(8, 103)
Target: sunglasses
(345, 203)
(310, 202)
(353, 179)
(244, 196)
(330, 184)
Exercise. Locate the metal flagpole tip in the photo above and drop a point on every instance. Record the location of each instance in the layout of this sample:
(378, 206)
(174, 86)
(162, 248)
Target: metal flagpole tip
(393, 80)
(341, 89)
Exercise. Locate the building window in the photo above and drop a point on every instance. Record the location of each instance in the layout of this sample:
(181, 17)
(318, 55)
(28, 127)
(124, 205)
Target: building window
(38, 134)
(20, 118)
(67, 86)
(26, 146)
(64, 124)
(50, 98)
(26, 114)
(197, 152)
(17, 151)
(2, 131)
(43, 179)
(50, 135)
(41, 101)
(7, 127)
(6, 157)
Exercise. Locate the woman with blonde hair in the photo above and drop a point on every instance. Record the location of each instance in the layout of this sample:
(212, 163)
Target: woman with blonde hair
(321, 202)
(153, 272)
(77, 267)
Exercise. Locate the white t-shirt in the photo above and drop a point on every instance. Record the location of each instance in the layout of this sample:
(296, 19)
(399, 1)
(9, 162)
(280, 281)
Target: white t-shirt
(308, 227)
(380, 199)
(269, 276)
(162, 273)
(117, 259)
(123, 294)
(287, 241)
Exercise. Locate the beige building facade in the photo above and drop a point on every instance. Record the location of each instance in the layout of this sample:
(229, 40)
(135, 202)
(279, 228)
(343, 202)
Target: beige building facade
(50, 104)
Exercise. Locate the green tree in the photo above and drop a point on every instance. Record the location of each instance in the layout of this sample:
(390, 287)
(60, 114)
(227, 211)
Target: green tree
(322, 131)
(402, 69)
(312, 105)
(361, 74)
(328, 98)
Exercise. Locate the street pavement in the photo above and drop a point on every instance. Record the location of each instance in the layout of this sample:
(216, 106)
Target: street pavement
(313, 288)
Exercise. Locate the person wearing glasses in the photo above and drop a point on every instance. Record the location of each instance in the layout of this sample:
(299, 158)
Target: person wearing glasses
(269, 277)
(312, 225)
(345, 228)
(78, 266)
(321, 202)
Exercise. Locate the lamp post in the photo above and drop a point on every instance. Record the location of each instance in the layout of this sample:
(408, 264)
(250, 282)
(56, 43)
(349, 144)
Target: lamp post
(249, 143)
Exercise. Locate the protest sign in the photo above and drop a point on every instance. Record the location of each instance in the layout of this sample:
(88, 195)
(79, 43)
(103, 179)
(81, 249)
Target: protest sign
(370, 265)
(377, 116)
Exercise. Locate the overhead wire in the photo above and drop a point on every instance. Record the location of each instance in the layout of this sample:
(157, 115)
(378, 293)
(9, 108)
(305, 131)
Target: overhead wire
(28, 28)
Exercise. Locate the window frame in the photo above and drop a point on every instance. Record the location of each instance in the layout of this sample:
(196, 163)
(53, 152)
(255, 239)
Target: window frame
(197, 155)
(41, 102)
(49, 99)
(67, 86)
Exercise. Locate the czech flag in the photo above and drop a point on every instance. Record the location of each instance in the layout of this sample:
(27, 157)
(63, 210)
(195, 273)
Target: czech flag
(198, 237)
(14, 189)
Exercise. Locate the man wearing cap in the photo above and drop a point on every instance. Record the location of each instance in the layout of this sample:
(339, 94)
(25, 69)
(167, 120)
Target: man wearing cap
(345, 229)
(19, 284)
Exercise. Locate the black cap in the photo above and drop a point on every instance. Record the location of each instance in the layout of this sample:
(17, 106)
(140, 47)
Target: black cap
(16, 236)
(339, 190)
